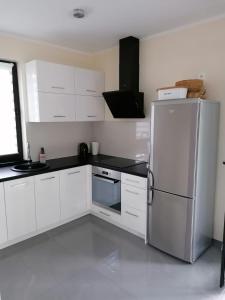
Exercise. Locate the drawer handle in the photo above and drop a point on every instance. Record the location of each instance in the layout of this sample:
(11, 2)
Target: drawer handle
(58, 87)
(131, 192)
(59, 116)
(91, 116)
(103, 213)
(47, 178)
(19, 184)
(134, 181)
(91, 91)
(133, 215)
(71, 173)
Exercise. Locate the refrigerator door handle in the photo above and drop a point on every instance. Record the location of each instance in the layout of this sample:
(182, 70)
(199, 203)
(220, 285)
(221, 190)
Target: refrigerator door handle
(150, 187)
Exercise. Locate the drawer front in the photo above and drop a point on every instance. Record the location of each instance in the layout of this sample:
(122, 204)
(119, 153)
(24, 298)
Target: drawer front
(134, 180)
(134, 197)
(134, 219)
(106, 214)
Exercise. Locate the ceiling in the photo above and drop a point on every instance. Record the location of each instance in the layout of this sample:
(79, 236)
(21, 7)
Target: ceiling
(106, 22)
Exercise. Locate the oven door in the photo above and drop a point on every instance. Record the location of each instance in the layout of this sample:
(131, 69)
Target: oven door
(106, 192)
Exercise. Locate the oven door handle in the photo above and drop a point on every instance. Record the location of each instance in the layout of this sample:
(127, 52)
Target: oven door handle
(109, 180)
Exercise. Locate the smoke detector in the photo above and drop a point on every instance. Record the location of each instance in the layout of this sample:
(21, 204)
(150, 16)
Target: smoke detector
(78, 13)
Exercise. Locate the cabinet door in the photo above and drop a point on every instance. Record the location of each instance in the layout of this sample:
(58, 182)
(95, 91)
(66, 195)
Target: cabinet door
(89, 82)
(56, 107)
(134, 219)
(3, 228)
(47, 199)
(90, 108)
(134, 197)
(55, 78)
(73, 192)
(20, 207)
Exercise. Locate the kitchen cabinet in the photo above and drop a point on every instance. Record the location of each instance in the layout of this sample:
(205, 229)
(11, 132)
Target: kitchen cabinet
(89, 108)
(53, 108)
(73, 192)
(106, 214)
(47, 199)
(50, 77)
(89, 82)
(59, 93)
(134, 203)
(3, 228)
(20, 207)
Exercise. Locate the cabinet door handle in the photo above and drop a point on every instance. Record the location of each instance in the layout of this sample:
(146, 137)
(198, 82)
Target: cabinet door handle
(58, 87)
(59, 116)
(71, 173)
(47, 178)
(19, 184)
(133, 215)
(132, 180)
(131, 192)
(103, 213)
(91, 116)
(91, 91)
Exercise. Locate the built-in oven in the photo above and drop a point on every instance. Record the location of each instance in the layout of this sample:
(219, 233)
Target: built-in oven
(106, 188)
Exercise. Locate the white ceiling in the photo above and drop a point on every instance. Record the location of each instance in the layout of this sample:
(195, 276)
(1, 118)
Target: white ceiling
(106, 22)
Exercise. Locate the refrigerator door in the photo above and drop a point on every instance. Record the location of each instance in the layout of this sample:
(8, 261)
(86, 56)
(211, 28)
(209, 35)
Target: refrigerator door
(170, 224)
(173, 146)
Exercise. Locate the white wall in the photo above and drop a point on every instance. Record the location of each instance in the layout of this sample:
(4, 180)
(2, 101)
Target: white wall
(165, 59)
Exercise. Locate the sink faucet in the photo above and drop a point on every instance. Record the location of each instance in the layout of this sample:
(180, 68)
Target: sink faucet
(28, 153)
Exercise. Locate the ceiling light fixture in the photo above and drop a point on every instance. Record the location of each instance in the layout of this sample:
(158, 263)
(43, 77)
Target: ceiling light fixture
(78, 13)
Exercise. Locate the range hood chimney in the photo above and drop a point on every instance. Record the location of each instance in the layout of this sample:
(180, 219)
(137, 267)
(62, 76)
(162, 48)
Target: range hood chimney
(128, 102)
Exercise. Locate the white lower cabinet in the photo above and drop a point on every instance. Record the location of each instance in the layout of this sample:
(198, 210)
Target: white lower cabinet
(47, 199)
(3, 227)
(134, 219)
(37, 203)
(134, 203)
(106, 214)
(73, 192)
(20, 207)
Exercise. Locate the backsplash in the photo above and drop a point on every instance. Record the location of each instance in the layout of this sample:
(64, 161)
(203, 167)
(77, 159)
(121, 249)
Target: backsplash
(58, 139)
(128, 139)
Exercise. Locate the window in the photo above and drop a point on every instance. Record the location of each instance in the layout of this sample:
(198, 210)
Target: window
(11, 149)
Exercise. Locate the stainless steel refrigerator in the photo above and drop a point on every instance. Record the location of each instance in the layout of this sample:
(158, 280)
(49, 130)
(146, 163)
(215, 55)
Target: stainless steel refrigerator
(182, 176)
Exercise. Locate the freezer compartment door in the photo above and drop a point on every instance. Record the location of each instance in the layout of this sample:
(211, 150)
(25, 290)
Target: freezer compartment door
(169, 226)
(173, 147)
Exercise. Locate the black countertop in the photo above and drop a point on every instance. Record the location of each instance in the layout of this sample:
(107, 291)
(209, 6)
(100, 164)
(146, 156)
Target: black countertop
(124, 165)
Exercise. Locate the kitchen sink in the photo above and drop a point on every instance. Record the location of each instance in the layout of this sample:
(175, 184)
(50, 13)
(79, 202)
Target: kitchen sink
(30, 167)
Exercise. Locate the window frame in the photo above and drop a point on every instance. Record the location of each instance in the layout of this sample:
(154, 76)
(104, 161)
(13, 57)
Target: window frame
(12, 158)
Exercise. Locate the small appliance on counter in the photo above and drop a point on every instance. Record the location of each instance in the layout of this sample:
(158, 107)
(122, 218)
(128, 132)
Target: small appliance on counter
(94, 148)
(83, 151)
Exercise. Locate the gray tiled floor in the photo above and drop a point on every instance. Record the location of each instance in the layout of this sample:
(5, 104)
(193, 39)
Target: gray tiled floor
(91, 259)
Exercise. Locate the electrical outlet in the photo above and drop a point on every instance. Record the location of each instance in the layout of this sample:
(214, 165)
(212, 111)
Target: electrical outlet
(202, 76)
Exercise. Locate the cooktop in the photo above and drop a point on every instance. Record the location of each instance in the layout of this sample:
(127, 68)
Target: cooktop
(118, 162)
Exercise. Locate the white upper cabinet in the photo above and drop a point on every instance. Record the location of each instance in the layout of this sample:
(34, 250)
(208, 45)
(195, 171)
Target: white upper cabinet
(51, 78)
(90, 108)
(52, 91)
(73, 192)
(47, 199)
(89, 82)
(55, 108)
(20, 207)
(3, 228)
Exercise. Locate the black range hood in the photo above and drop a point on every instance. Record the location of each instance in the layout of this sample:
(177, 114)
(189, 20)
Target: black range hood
(127, 102)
